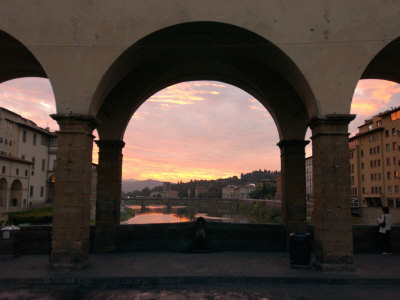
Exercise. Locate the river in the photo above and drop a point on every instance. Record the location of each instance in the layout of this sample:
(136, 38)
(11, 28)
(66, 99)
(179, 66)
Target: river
(151, 211)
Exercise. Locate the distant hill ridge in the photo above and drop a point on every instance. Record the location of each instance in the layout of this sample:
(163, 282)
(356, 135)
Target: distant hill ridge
(129, 185)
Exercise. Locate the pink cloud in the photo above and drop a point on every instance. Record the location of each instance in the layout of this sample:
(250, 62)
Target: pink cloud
(32, 98)
(372, 97)
(194, 130)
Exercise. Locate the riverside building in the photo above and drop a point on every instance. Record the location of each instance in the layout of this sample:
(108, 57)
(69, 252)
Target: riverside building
(27, 162)
(374, 162)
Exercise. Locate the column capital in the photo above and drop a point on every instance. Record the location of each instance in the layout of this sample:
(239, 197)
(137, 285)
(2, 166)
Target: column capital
(342, 119)
(73, 122)
(292, 143)
(330, 125)
(118, 144)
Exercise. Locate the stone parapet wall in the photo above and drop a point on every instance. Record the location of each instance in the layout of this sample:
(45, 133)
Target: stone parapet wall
(180, 237)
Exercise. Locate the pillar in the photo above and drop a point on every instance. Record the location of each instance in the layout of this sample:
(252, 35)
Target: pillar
(108, 194)
(333, 236)
(293, 183)
(71, 214)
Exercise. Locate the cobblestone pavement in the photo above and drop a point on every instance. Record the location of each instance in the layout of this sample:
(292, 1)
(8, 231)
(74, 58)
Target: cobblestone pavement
(265, 292)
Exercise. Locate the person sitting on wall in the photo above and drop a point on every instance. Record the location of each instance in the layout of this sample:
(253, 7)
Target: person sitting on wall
(384, 230)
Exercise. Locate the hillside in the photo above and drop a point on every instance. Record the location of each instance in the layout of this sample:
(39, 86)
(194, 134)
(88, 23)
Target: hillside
(130, 185)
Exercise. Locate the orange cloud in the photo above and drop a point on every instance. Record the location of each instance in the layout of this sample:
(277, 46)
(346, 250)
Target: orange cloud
(371, 96)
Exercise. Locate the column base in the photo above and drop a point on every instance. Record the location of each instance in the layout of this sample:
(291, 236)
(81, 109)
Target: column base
(69, 261)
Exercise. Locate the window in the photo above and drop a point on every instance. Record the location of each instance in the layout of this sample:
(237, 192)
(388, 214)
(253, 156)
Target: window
(386, 133)
(387, 147)
(394, 160)
(370, 163)
(390, 202)
(54, 164)
(41, 191)
(396, 189)
(3, 170)
(53, 142)
(389, 189)
(352, 168)
(6, 141)
(370, 150)
(393, 131)
(396, 174)
(23, 156)
(398, 202)
(372, 189)
(379, 176)
(43, 164)
(395, 115)
(31, 191)
(388, 175)
(388, 161)
(372, 176)
(24, 136)
(369, 127)
(378, 123)
(34, 139)
(16, 171)
(379, 162)
(377, 149)
(26, 172)
(362, 178)
(380, 189)
(363, 190)
(394, 146)
(362, 153)
(352, 180)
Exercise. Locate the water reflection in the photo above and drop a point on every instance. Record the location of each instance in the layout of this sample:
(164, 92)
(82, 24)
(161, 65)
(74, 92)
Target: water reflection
(152, 218)
(151, 211)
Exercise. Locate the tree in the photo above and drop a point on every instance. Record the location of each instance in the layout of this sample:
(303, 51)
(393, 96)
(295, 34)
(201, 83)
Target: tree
(146, 192)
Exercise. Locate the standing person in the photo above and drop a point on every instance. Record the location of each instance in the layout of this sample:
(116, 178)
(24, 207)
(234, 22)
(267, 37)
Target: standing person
(384, 230)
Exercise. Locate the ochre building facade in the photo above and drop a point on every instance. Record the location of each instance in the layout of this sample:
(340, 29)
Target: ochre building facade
(374, 161)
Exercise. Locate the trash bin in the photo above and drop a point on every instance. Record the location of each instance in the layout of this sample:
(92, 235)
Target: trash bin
(9, 241)
(300, 249)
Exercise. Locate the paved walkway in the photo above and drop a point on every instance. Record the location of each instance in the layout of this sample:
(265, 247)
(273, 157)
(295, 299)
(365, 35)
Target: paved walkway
(223, 275)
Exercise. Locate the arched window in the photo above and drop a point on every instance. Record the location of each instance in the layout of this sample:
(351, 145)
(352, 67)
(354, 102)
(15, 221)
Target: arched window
(16, 193)
(3, 192)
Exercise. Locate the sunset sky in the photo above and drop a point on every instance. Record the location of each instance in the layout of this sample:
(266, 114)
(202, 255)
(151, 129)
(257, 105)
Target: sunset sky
(195, 130)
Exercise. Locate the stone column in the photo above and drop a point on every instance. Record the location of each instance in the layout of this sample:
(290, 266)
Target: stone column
(333, 236)
(71, 216)
(293, 182)
(109, 173)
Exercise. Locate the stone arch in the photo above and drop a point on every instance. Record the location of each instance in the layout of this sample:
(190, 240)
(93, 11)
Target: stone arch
(16, 193)
(198, 51)
(17, 60)
(386, 63)
(3, 192)
(50, 187)
(204, 51)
